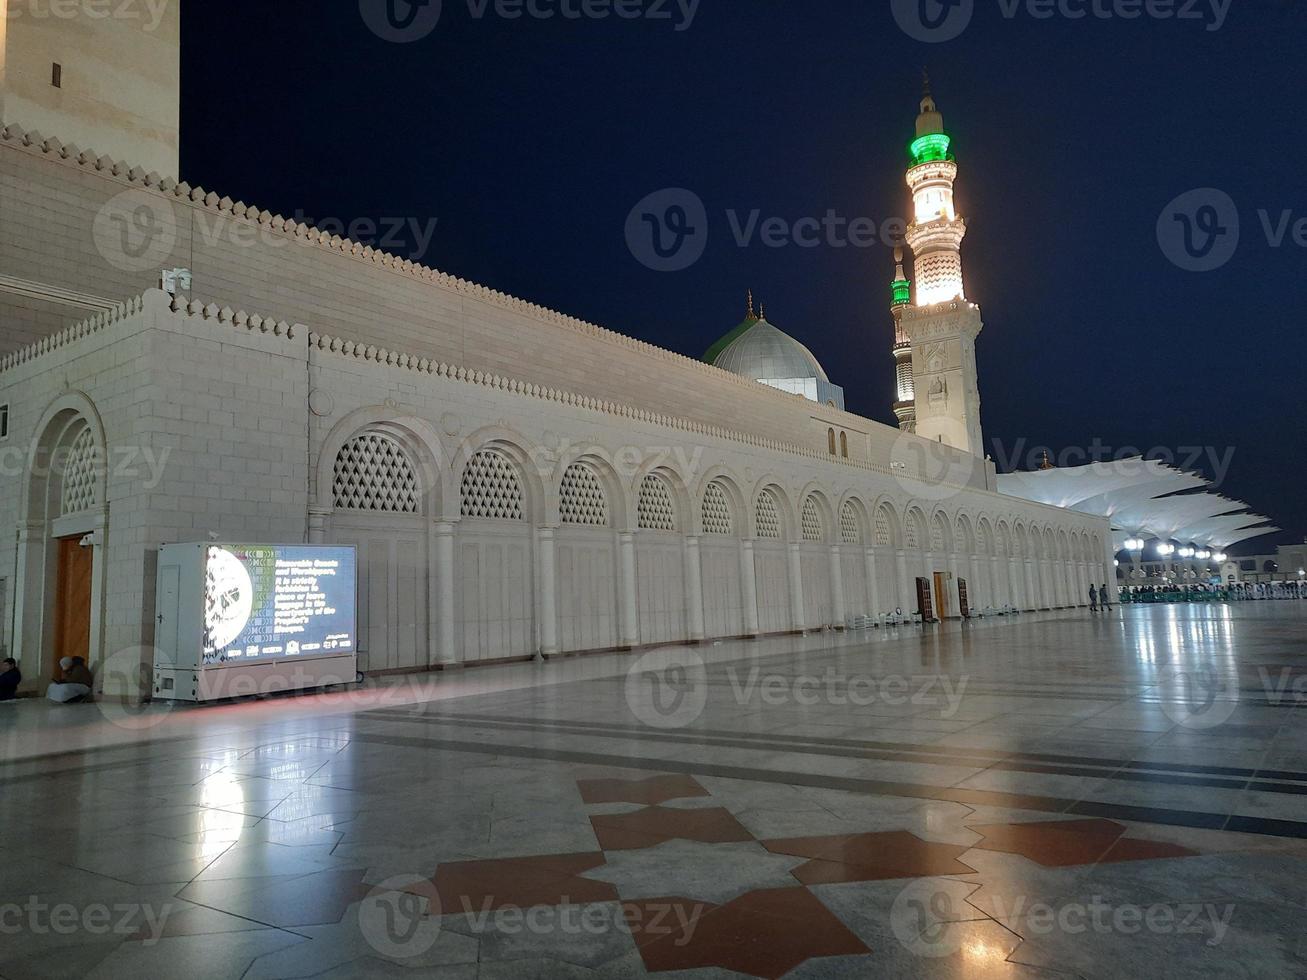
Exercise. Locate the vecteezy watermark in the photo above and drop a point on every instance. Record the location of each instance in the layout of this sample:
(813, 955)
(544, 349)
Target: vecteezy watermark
(936, 21)
(137, 231)
(839, 689)
(668, 230)
(1201, 230)
(149, 13)
(675, 922)
(930, 917)
(130, 920)
(933, 21)
(143, 465)
(406, 21)
(126, 681)
(1106, 918)
(1214, 461)
(667, 688)
(930, 470)
(1201, 698)
(400, 918)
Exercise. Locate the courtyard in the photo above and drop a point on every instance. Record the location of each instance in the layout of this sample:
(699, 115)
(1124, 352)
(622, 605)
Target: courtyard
(1055, 795)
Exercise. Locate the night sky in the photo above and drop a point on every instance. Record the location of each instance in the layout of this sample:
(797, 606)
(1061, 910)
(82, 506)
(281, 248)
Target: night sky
(530, 141)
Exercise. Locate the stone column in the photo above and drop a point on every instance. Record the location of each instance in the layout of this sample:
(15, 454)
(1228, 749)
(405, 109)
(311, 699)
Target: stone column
(839, 604)
(630, 604)
(548, 592)
(953, 607)
(907, 594)
(318, 518)
(445, 647)
(1032, 595)
(1013, 584)
(748, 588)
(693, 590)
(873, 587)
(29, 587)
(995, 578)
(796, 587)
(978, 599)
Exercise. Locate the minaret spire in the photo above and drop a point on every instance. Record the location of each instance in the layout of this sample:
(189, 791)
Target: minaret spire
(935, 327)
(750, 313)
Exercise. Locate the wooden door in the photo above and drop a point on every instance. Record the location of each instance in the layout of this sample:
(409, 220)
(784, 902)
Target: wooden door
(941, 599)
(72, 614)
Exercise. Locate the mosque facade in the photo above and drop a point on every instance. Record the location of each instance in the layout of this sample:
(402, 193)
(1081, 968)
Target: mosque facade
(518, 483)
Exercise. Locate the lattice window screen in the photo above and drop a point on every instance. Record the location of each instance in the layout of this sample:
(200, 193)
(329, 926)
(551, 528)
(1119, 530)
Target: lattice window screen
(373, 473)
(812, 529)
(581, 498)
(850, 528)
(491, 488)
(768, 516)
(937, 536)
(79, 474)
(717, 511)
(883, 534)
(912, 533)
(656, 511)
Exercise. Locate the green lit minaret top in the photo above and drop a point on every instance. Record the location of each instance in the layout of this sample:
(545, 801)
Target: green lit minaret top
(902, 285)
(932, 143)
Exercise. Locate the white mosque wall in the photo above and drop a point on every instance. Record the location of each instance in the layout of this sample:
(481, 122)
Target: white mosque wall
(58, 209)
(475, 542)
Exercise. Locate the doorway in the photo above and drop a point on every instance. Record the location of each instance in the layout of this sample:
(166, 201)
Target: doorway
(941, 602)
(72, 607)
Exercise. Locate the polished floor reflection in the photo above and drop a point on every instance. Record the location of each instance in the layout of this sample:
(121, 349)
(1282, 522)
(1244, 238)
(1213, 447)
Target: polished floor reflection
(1063, 795)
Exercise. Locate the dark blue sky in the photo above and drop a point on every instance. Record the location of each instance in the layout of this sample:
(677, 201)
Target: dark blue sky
(531, 141)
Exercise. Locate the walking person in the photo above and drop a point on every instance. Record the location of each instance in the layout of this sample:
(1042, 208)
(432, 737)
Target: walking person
(1093, 599)
(1102, 597)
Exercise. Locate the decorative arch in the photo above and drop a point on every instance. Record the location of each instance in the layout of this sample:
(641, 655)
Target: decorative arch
(582, 497)
(374, 472)
(915, 535)
(985, 544)
(719, 509)
(64, 496)
(963, 536)
(817, 517)
(771, 511)
(888, 529)
(501, 451)
(854, 526)
(425, 454)
(656, 507)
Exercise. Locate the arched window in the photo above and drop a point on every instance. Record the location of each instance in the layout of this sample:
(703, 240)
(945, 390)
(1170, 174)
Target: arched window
(850, 526)
(884, 534)
(812, 528)
(717, 517)
(768, 516)
(581, 498)
(656, 511)
(844, 444)
(491, 488)
(80, 474)
(830, 436)
(373, 473)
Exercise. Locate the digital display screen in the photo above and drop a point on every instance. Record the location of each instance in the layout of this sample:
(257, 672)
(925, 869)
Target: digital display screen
(272, 602)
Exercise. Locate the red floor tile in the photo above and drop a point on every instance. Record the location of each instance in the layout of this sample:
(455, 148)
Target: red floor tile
(651, 791)
(654, 825)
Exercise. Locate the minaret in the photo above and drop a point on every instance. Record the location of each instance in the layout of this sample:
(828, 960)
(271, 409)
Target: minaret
(905, 408)
(942, 327)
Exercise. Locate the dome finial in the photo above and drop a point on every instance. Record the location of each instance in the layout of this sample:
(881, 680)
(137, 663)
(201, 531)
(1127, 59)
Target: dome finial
(762, 311)
(750, 313)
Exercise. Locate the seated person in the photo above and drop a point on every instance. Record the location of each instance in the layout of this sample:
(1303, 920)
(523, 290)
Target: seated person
(76, 682)
(10, 678)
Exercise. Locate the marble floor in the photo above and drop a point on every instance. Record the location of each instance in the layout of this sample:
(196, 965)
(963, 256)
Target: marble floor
(1058, 795)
